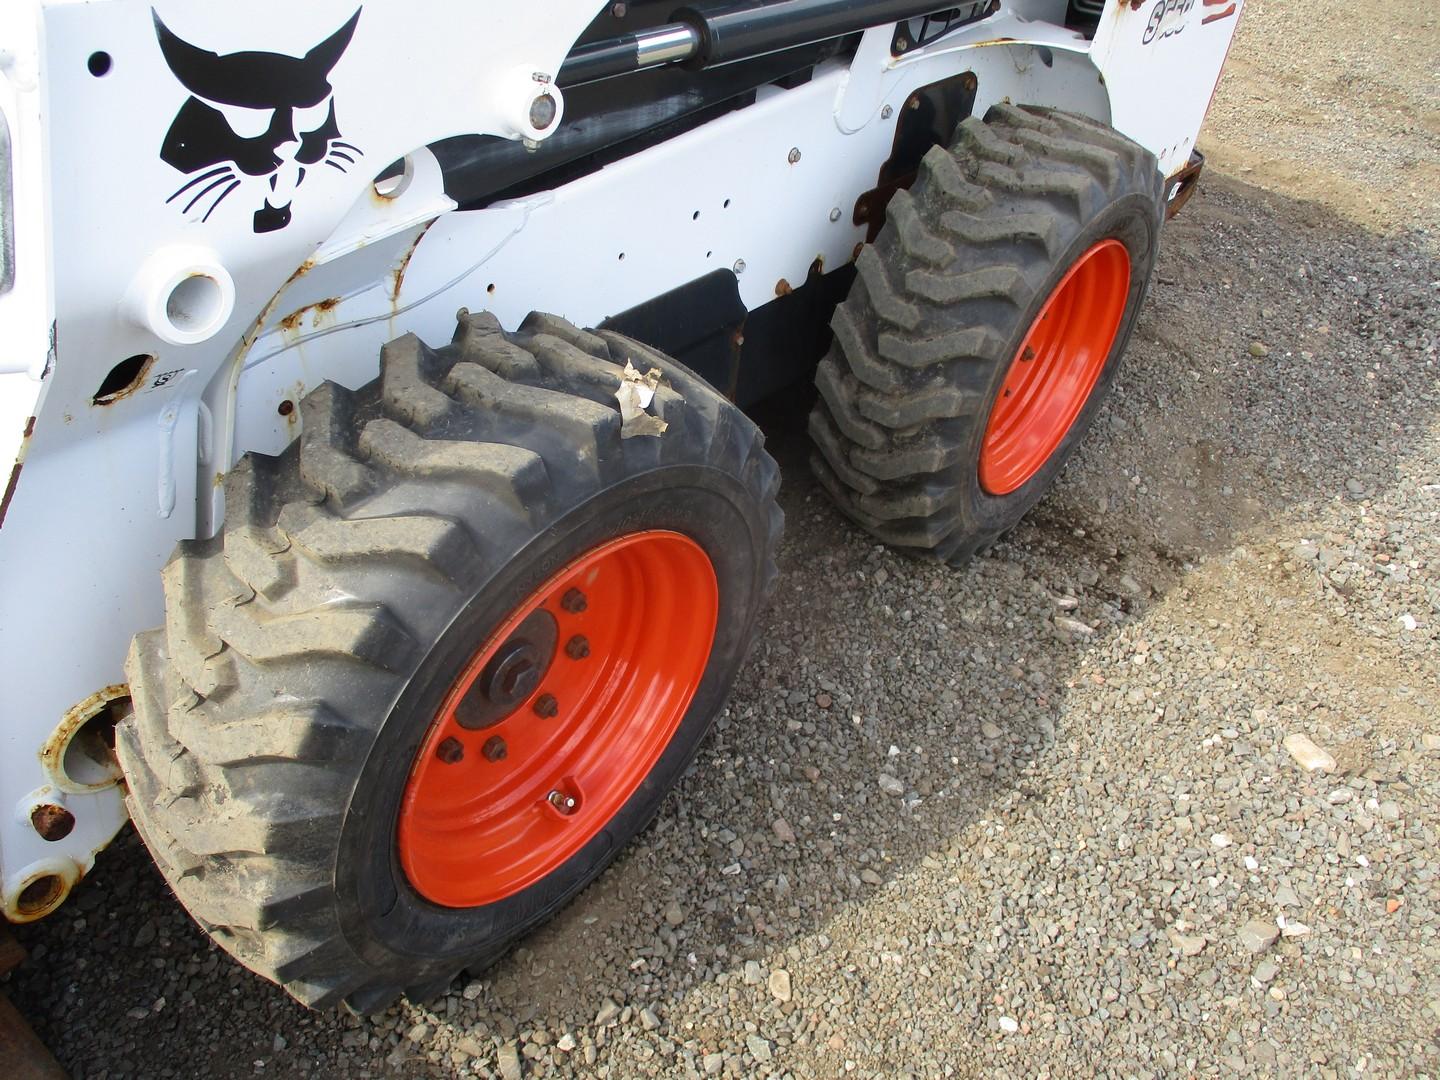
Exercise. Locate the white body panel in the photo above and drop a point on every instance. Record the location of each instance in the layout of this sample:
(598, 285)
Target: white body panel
(107, 490)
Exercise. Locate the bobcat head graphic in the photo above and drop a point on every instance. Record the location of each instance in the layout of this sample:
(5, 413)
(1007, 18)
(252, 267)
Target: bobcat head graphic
(252, 114)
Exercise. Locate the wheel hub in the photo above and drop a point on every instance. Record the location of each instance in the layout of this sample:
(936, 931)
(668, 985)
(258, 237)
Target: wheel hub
(578, 694)
(1056, 367)
(511, 674)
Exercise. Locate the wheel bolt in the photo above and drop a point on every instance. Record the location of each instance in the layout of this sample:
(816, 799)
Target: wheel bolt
(450, 750)
(495, 749)
(566, 804)
(578, 647)
(546, 706)
(574, 601)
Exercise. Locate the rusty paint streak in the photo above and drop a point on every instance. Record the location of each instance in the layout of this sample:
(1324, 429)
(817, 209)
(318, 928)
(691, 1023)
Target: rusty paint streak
(1183, 184)
(14, 481)
(300, 271)
(321, 308)
(248, 339)
(398, 274)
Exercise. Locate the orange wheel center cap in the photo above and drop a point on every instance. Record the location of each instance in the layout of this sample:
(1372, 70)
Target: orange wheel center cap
(1057, 366)
(558, 718)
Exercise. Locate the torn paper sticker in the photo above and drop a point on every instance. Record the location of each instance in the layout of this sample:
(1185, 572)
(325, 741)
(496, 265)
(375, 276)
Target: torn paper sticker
(635, 395)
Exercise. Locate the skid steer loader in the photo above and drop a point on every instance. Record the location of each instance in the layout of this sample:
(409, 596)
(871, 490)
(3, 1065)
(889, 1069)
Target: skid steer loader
(389, 627)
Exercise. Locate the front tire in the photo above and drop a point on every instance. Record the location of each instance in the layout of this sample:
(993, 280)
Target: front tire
(984, 328)
(343, 719)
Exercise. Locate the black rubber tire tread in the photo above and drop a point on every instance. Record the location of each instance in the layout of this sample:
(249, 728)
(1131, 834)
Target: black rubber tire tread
(340, 560)
(939, 304)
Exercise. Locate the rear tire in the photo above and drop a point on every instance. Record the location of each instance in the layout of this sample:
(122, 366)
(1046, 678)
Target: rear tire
(942, 311)
(283, 713)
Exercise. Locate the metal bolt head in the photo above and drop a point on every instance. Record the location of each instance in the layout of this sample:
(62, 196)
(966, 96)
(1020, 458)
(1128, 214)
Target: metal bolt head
(563, 802)
(834, 213)
(495, 749)
(739, 266)
(546, 706)
(618, 10)
(574, 601)
(794, 155)
(450, 750)
(886, 113)
(578, 647)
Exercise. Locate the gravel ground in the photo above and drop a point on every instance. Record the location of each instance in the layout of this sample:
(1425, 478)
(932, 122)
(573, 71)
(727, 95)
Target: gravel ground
(1052, 814)
(1339, 102)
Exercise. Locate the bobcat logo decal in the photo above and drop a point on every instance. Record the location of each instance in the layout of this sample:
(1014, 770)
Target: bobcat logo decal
(252, 115)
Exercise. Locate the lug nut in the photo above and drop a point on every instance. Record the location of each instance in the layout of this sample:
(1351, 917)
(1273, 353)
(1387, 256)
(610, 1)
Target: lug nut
(566, 804)
(574, 601)
(577, 648)
(546, 706)
(450, 750)
(495, 749)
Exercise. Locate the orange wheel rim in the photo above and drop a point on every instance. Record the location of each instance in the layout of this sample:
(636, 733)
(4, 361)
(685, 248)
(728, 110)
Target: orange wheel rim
(1056, 368)
(557, 719)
